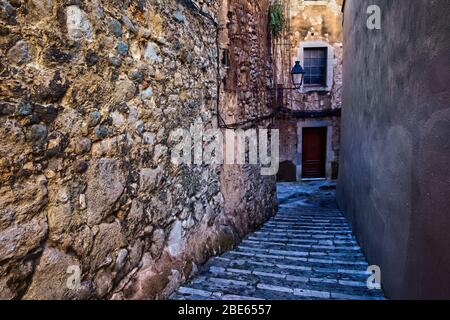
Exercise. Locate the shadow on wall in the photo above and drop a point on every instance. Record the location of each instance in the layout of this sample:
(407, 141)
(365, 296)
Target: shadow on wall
(395, 175)
(287, 172)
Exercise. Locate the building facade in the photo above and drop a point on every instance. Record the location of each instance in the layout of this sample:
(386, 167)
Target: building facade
(309, 120)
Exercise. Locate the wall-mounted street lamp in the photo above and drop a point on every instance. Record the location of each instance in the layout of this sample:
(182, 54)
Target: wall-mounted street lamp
(297, 74)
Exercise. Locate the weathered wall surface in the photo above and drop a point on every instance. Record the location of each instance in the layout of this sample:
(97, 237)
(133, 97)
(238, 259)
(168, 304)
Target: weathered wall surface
(90, 91)
(246, 59)
(320, 19)
(318, 22)
(315, 24)
(288, 150)
(246, 83)
(395, 177)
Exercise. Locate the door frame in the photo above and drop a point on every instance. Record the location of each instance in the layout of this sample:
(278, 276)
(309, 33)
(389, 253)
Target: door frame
(329, 147)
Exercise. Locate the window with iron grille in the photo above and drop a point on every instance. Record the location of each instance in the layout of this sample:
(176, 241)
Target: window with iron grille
(315, 60)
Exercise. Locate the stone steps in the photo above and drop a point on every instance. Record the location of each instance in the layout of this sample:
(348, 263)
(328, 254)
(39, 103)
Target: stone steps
(297, 247)
(310, 268)
(305, 252)
(254, 285)
(256, 238)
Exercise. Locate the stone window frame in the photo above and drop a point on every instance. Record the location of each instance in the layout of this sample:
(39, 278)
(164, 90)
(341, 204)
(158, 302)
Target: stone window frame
(330, 64)
(315, 2)
(330, 155)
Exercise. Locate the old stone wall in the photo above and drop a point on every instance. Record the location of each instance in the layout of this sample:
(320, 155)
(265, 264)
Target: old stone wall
(90, 91)
(246, 81)
(246, 60)
(395, 174)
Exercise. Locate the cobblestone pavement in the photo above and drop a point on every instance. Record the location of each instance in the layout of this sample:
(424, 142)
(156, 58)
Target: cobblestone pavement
(307, 251)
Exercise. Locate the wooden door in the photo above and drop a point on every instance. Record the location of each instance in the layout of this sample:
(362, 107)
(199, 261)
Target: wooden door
(314, 152)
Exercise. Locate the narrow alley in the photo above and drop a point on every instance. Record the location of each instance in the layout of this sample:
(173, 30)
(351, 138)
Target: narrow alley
(307, 251)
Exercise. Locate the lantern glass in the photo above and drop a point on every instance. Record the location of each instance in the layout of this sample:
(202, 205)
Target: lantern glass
(297, 74)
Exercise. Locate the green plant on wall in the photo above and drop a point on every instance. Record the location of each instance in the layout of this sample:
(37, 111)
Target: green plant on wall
(276, 19)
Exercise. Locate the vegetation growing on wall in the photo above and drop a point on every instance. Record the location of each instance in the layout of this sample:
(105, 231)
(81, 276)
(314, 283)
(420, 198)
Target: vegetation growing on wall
(276, 20)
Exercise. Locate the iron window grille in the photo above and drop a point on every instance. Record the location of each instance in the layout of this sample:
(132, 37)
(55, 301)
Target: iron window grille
(315, 65)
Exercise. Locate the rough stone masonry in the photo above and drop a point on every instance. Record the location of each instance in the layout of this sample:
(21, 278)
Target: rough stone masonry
(88, 95)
